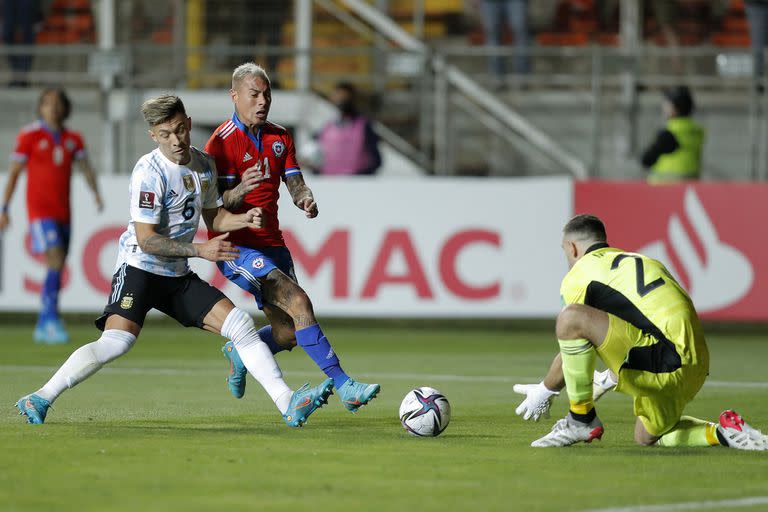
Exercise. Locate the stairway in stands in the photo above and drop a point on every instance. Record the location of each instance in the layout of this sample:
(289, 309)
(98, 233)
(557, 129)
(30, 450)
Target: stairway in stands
(441, 18)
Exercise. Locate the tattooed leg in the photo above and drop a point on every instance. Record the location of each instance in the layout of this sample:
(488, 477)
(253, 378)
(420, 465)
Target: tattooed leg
(279, 290)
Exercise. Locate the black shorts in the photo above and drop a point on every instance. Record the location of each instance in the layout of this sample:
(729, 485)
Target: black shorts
(187, 298)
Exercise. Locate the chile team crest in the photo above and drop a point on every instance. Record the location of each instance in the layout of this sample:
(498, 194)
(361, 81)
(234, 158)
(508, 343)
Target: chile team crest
(278, 148)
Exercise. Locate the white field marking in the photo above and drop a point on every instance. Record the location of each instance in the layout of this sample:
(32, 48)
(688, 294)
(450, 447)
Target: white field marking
(374, 375)
(734, 384)
(689, 505)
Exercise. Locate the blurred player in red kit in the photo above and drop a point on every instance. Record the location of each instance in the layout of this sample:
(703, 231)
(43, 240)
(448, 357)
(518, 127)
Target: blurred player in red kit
(47, 149)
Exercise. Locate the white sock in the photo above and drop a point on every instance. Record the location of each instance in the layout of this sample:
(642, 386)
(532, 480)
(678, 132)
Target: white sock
(86, 361)
(256, 356)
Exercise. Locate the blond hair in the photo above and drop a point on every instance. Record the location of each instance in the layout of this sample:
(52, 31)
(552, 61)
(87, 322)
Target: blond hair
(248, 69)
(161, 109)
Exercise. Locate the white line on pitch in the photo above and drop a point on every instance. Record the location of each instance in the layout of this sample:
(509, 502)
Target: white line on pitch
(375, 375)
(690, 505)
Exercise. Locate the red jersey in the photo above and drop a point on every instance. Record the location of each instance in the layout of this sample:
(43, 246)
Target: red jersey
(271, 151)
(48, 157)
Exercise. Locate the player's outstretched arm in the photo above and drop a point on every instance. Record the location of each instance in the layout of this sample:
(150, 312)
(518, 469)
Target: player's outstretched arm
(10, 187)
(90, 179)
(222, 221)
(234, 197)
(302, 195)
(555, 380)
(215, 249)
(538, 397)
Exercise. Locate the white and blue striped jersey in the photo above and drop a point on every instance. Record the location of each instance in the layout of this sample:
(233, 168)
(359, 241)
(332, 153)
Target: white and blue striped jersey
(171, 196)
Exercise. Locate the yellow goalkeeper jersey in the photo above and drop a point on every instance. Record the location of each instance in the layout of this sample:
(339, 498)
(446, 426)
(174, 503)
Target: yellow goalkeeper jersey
(642, 292)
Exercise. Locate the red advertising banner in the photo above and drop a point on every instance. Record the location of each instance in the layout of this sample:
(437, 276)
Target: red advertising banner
(709, 235)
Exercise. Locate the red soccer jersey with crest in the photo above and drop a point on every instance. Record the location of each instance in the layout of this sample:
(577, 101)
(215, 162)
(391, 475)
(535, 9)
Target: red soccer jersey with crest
(270, 151)
(48, 157)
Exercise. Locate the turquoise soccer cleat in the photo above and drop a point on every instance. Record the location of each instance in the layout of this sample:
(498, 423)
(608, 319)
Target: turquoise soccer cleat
(307, 400)
(237, 370)
(39, 335)
(354, 395)
(34, 408)
(58, 334)
(51, 332)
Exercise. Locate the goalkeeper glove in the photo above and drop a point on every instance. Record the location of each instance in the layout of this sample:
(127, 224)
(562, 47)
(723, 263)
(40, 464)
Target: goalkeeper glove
(537, 400)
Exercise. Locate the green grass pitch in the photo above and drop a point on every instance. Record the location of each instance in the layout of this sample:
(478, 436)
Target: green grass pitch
(157, 430)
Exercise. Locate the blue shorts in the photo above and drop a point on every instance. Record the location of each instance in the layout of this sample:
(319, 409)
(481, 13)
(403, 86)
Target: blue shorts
(48, 233)
(253, 264)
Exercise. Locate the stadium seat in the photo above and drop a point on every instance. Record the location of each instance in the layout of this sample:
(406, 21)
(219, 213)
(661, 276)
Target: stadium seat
(68, 22)
(440, 18)
(575, 24)
(735, 29)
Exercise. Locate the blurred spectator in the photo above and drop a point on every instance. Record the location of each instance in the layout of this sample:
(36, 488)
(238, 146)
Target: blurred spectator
(514, 13)
(757, 16)
(260, 22)
(19, 17)
(718, 9)
(676, 153)
(607, 14)
(348, 145)
(665, 12)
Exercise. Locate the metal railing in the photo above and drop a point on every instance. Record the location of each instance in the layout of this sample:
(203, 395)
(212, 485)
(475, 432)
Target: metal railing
(449, 79)
(614, 81)
(440, 105)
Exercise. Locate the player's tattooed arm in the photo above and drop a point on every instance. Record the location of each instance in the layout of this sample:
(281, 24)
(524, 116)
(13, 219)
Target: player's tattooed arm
(301, 195)
(215, 249)
(234, 197)
(160, 245)
(298, 188)
(152, 242)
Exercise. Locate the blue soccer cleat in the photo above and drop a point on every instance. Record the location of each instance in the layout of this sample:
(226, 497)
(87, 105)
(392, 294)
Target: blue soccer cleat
(354, 395)
(51, 332)
(307, 400)
(34, 408)
(237, 370)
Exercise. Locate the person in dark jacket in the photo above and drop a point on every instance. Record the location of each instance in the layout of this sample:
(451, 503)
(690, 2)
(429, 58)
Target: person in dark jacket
(675, 154)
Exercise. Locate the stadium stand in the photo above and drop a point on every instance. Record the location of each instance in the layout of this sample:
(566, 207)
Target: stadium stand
(68, 22)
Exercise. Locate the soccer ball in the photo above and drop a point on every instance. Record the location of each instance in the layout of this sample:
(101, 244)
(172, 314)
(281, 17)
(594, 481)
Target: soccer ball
(425, 412)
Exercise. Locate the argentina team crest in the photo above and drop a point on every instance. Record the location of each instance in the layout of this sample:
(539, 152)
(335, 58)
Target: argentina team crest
(189, 182)
(127, 302)
(278, 148)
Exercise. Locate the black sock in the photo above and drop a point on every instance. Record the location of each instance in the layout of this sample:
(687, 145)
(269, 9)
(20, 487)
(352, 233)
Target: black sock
(721, 438)
(584, 418)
